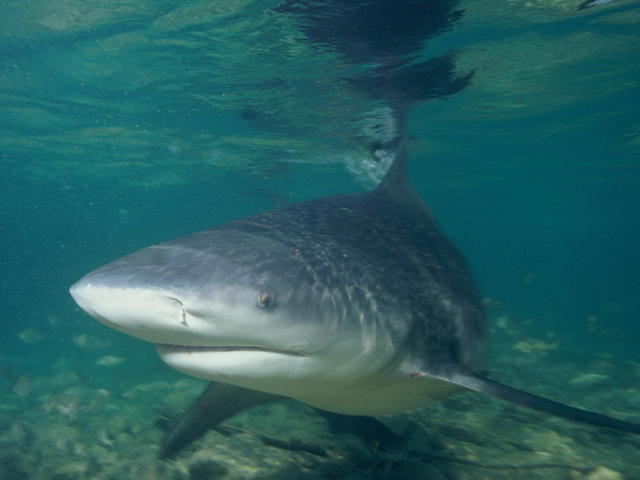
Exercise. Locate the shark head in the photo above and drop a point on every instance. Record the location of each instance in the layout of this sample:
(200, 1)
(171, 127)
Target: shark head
(253, 306)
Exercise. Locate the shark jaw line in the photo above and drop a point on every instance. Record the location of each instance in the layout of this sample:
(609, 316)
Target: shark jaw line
(189, 349)
(248, 366)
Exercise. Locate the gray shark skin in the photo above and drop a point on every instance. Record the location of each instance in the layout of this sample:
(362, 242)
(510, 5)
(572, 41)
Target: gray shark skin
(354, 304)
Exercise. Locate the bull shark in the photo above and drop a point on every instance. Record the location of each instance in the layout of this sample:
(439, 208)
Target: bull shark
(355, 304)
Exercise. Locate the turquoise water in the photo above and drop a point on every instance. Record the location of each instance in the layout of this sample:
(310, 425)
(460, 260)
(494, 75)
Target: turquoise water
(128, 123)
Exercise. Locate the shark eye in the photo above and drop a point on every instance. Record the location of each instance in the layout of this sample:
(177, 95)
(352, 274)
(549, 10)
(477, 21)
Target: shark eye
(266, 298)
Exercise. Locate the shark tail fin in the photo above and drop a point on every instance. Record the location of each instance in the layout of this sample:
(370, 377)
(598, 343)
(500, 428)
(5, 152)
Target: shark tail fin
(458, 375)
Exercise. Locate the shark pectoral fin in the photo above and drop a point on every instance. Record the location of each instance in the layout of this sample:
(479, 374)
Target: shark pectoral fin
(217, 403)
(471, 381)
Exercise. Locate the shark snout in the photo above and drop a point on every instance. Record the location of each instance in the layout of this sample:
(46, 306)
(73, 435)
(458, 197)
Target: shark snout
(82, 292)
(146, 313)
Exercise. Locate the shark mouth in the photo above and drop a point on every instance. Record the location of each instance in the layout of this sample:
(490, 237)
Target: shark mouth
(248, 365)
(187, 349)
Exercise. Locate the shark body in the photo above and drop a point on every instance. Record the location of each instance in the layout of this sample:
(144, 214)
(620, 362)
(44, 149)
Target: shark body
(354, 304)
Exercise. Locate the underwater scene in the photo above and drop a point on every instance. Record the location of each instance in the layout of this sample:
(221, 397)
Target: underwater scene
(125, 124)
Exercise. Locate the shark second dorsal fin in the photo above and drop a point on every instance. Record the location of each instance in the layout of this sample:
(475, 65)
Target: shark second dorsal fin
(462, 377)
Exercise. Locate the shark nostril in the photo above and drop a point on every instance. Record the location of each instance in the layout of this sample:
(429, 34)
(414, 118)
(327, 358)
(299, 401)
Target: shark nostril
(183, 320)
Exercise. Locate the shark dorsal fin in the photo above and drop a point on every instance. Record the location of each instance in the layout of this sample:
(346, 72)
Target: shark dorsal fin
(395, 184)
(396, 180)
